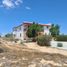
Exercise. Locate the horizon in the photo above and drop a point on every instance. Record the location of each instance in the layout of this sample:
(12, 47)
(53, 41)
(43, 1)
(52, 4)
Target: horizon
(14, 12)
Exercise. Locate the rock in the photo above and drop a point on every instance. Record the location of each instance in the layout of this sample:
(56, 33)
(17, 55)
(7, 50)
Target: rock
(39, 65)
(1, 64)
(0, 42)
(43, 65)
(3, 58)
(24, 58)
(42, 61)
(1, 50)
(32, 65)
(46, 65)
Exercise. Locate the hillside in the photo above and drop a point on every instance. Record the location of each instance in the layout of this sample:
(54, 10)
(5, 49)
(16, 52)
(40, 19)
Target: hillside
(15, 55)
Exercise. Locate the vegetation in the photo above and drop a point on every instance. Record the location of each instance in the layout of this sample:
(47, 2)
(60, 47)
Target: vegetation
(61, 38)
(9, 37)
(54, 30)
(44, 40)
(33, 30)
(16, 40)
(0, 35)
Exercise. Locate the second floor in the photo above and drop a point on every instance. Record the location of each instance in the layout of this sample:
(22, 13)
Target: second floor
(24, 27)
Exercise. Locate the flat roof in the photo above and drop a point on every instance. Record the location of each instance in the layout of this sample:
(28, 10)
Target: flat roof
(29, 23)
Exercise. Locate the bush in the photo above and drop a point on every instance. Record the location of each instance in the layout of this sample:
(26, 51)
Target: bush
(33, 39)
(16, 40)
(44, 40)
(9, 35)
(61, 38)
(9, 39)
(59, 45)
(0, 35)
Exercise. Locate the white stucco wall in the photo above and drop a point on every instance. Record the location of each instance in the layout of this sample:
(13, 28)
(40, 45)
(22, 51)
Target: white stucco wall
(22, 32)
(17, 33)
(54, 44)
(46, 30)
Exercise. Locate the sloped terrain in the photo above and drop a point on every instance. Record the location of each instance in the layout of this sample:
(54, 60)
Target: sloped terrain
(13, 55)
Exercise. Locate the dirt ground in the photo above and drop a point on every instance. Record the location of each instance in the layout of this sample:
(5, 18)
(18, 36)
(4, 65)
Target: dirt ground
(15, 55)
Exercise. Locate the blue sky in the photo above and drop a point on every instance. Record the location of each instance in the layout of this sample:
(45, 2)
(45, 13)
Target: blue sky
(14, 12)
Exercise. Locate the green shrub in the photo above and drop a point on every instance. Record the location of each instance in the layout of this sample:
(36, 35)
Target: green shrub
(9, 35)
(59, 45)
(61, 38)
(16, 40)
(0, 36)
(8, 38)
(21, 42)
(44, 40)
(33, 39)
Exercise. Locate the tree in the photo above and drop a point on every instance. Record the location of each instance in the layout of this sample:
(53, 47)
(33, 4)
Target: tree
(33, 30)
(9, 35)
(54, 30)
(0, 35)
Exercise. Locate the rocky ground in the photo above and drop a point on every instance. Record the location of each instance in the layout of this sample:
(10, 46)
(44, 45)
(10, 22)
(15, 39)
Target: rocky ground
(14, 55)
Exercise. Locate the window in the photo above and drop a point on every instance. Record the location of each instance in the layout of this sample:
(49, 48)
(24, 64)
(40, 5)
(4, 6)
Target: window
(25, 28)
(20, 34)
(47, 27)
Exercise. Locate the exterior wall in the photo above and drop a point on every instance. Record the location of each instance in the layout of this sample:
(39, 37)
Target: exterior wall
(20, 32)
(46, 30)
(25, 31)
(54, 44)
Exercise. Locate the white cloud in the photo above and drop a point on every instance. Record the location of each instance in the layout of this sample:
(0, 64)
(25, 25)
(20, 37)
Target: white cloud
(17, 2)
(11, 3)
(27, 7)
(8, 3)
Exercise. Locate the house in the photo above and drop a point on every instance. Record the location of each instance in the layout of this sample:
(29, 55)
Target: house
(19, 32)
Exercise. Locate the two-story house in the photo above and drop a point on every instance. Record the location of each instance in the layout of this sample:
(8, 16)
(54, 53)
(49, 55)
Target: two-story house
(19, 32)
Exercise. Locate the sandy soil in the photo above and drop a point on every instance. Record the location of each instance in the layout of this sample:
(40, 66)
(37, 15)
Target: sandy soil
(29, 55)
(34, 45)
